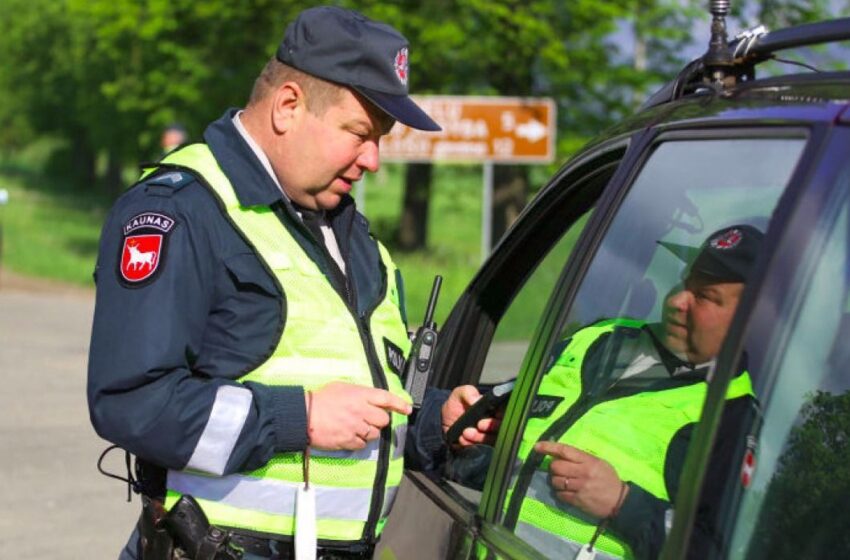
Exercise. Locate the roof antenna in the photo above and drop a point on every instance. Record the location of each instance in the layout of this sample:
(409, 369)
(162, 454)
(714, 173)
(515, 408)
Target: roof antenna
(718, 59)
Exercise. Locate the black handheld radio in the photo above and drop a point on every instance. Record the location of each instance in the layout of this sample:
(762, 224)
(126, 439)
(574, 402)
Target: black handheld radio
(420, 363)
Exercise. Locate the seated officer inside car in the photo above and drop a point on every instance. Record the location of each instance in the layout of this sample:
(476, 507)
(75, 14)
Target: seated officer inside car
(606, 439)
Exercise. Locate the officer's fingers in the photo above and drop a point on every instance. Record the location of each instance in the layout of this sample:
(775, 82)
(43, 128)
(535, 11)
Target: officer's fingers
(566, 489)
(358, 441)
(561, 451)
(566, 469)
(467, 394)
(387, 401)
(456, 405)
(565, 484)
(377, 417)
(489, 425)
(473, 436)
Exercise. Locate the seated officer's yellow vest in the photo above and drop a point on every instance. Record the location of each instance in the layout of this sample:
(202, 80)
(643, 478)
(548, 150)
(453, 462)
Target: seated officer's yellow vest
(632, 433)
(321, 342)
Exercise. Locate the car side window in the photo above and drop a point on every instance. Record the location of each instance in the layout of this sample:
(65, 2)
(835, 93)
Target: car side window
(551, 237)
(515, 330)
(794, 477)
(608, 426)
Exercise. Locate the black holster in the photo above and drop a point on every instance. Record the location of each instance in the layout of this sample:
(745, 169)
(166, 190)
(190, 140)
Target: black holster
(183, 533)
(156, 542)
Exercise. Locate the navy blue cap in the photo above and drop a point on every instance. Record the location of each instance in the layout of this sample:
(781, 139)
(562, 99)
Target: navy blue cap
(346, 47)
(727, 255)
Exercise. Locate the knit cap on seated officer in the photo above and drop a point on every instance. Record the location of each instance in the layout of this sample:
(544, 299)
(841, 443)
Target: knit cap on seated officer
(338, 82)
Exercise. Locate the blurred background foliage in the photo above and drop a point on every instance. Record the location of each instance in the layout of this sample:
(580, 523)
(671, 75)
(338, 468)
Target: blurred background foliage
(87, 86)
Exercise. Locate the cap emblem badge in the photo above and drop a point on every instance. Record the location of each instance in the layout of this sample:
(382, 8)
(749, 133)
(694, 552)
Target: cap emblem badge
(727, 240)
(401, 65)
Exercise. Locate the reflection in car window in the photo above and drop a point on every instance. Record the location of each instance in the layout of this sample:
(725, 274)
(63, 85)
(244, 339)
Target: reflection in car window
(686, 190)
(794, 506)
(625, 382)
(551, 240)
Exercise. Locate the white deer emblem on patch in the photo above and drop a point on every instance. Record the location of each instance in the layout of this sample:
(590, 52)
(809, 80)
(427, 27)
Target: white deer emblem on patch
(140, 258)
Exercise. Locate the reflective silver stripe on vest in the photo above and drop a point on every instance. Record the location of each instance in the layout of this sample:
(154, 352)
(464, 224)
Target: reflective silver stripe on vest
(668, 520)
(389, 499)
(227, 417)
(274, 496)
(400, 437)
(368, 453)
(541, 491)
(553, 546)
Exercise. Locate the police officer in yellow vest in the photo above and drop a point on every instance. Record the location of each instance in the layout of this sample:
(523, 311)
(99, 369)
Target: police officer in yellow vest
(604, 445)
(248, 327)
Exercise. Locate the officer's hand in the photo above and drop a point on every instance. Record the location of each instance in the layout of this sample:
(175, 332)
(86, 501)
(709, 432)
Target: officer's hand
(584, 480)
(460, 400)
(346, 416)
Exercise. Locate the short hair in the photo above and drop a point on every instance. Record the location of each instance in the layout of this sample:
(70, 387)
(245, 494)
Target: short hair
(320, 94)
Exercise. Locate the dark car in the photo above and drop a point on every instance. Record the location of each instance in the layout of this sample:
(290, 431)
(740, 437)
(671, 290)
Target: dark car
(716, 147)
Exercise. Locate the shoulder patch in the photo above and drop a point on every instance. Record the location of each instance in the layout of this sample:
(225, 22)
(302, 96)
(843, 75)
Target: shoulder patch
(144, 247)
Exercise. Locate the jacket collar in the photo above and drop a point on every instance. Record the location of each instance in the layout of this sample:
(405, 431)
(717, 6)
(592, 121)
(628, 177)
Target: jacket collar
(250, 180)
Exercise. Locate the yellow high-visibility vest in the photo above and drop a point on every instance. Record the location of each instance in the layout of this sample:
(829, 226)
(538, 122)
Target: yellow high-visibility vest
(323, 341)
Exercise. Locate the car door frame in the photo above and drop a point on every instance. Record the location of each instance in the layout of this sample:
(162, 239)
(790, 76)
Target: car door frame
(641, 149)
(473, 319)
(470, 318)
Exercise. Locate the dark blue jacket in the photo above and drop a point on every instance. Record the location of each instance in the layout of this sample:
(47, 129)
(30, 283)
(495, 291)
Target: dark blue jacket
(210, 313)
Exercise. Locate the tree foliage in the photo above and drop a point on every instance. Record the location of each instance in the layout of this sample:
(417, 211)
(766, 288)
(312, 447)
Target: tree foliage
(107, 75)
(804, 514)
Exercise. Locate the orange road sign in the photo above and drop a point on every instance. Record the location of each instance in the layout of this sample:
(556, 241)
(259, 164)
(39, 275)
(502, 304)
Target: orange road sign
(477, 129)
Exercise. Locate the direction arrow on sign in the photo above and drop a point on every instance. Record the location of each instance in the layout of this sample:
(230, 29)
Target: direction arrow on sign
(478, 129)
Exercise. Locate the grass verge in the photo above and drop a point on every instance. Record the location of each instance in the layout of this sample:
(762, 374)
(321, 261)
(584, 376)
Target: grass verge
(48, 233)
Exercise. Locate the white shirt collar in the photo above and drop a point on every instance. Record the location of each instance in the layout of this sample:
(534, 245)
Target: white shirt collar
(328, 234)
(261, 155)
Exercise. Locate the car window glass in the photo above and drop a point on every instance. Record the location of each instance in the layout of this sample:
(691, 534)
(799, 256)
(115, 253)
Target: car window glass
(516, 327)
(612, 393)
(796, 472)
(466, 469)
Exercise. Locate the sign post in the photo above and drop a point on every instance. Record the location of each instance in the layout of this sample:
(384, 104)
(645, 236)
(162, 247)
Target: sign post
(478, 130)
(486, 214)
(4, 199)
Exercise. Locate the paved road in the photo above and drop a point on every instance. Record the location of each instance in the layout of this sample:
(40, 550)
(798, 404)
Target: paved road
(55, 505)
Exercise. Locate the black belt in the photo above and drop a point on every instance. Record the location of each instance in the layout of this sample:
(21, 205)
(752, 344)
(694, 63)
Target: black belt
(285, 550)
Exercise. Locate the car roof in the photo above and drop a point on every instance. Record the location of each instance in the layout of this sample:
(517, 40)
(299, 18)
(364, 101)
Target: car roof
(690, 100)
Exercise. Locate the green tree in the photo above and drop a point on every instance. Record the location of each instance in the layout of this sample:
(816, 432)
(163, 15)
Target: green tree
(108, 75)
(534, 48)
(804, 514)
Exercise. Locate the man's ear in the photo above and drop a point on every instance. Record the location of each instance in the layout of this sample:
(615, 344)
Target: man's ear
(288, 102)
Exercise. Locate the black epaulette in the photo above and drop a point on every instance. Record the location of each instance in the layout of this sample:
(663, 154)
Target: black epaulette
(166, 182)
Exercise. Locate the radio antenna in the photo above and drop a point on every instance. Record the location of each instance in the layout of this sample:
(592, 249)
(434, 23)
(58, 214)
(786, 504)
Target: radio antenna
(718, 59)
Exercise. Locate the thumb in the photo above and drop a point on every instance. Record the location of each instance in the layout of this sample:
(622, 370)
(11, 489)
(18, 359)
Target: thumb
(468, 395)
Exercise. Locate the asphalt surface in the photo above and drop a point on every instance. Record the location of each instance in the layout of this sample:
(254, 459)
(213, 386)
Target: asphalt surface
(55, 504)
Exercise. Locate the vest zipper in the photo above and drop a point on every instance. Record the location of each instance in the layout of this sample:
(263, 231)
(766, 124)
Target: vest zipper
(378, 380)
